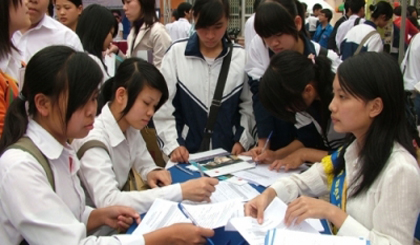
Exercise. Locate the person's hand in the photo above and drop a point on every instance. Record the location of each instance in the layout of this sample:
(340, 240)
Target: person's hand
(119, 217)
(180, 154)
(159, 176)
(307, 207)
(112, 49)
(292, 161)
(237, 149)
(254, 152)
(256, 207)
(266, 157)
(186, 234)
(199, 190)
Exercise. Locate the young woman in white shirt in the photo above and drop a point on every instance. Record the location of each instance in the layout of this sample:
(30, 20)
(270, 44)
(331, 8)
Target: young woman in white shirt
(129, 101)
(298, 89)
(68, 12)
(374, 180)
(96, 36)
(63, 106)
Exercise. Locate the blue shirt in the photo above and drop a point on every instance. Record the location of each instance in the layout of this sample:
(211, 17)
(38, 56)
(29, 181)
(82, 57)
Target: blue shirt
(322, 35)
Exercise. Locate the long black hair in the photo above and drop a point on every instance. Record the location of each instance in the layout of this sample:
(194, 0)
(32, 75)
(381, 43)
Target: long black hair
(278, 16)
(6, 44)
(209, 12)
(282, 85)
(368, 76)
(54, 71)
(147, 15)
(92, 32)
(133, 74)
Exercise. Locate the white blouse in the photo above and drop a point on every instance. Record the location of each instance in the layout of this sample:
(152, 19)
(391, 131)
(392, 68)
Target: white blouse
(385, 214)
(29, 207)
(104, 175)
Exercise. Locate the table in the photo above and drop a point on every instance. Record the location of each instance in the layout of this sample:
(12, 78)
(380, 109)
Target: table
(221, 237)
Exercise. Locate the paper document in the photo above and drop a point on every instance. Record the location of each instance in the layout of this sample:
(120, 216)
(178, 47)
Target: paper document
(287, 237)
(164, 213)
(255, 233)
(262, 175)
(226, 191)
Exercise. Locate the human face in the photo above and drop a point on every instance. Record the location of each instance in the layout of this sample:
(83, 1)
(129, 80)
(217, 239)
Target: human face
(211, 36)
(382, 21)
(68, 13)
(37, 10)
(350, 114)
(322, 18)
(81, 122)
(143, 108)
(108, 40)
(280, 42)
(132, 10)
(19, 17)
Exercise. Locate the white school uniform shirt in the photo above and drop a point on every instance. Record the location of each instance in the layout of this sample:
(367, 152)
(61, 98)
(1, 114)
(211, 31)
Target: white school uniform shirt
(411, 64)
(385, 214)
(104, 175)
(47, 33)
(345, 27)
(12, 64)
(101, 65)
(29, 207)
(249, 31)
(179, 29)
(312, 20)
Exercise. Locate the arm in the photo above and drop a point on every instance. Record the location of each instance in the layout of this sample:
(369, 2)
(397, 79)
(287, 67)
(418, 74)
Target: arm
(101, 183)
(160, 42)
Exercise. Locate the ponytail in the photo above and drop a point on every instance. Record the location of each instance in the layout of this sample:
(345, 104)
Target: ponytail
(301, 13)
(381, 8)
(106, 94)
(15, 123)
(324, 78)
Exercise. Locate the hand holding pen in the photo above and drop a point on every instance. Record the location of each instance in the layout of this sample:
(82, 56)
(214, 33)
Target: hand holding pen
(190, 217)
(265, 155)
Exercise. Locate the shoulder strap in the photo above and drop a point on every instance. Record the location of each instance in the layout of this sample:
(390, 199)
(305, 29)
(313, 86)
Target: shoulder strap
(217, 100)
(91, 144)
(364, 40)
(27, 145)
(357, 21)
(323, 51)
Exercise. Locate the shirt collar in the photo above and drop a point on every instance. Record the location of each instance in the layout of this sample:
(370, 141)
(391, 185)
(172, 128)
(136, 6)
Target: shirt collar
(183, 20)
(309, 47)
(116, 135)
(45, 142)
(46, 22)
(370, 23)
(193, 47)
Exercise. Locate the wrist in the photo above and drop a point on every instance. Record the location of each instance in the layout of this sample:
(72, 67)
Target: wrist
(117, 50)
(270, 193)
(336, 216)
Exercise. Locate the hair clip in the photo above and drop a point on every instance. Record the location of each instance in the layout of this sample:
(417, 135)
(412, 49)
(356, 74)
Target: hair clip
(312, 57)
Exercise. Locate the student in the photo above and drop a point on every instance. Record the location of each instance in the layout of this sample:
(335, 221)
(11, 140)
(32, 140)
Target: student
(148, 38)
(120, 30)
(313, 20)
(274, 38)
(298, 89)
(249, 32)
(410, 29)
(44, 31)
(13, 16)
(62, 106)
(366, 34)
(347, 13)
(191, 68)
(373, 181)
(174, 17)
(181, 28)
(357, 8)
(129, 101)
(68, 12)
(324, 29)
(96, 36)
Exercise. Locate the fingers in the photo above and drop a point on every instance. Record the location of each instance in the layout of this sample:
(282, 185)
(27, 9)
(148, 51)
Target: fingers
(164, 177)
(255, 153)
(129, 212)
(205, 232)
(152, 183)
(250, 209)
(180, 154)
(276, 165)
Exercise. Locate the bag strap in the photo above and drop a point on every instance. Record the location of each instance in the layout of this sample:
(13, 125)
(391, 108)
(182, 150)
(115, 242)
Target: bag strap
(323, 52)
(217, 100)
(357, 21)
(364, 40)
(27, 145)
(91, 144)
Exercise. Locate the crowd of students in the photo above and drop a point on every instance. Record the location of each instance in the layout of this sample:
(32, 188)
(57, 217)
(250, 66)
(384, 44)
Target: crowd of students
(71, 142)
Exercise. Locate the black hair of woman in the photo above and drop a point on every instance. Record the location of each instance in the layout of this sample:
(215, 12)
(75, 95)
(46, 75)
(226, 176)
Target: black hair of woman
(6, 44)
(210, 12)
(381, 8)
(147, 14)
(54, 71)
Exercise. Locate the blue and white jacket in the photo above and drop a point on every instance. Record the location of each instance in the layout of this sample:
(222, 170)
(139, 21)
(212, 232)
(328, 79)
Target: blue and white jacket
(191, 83)
(355, 36)
(258, 60)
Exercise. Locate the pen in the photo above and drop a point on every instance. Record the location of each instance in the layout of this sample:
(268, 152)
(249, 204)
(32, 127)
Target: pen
(189, 216)
(266, 142)
(183, 169)
(198, 166)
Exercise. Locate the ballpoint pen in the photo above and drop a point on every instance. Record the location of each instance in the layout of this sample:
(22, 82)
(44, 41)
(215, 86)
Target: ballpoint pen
(183, 169)
(266, 142)
(198, 166)
(189, 216)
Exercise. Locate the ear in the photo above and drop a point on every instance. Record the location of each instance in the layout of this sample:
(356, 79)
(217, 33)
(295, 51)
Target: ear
(121, 96)
(298, 22)
(376, 106)
(43, 104)
(308, 92)
(80, 9)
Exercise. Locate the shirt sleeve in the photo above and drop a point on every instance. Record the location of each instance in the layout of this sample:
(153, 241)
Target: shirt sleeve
(160, 42)
(247, 121)
(410, 68)
(101, 183)
(395, 213)
(375, 44)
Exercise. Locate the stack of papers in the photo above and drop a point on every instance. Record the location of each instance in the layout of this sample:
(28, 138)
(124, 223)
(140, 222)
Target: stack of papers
(287, 237)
